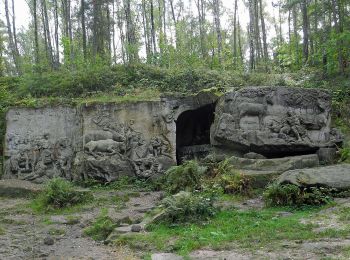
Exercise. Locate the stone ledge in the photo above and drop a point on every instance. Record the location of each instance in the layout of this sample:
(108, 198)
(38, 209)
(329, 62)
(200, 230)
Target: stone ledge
(19, 188)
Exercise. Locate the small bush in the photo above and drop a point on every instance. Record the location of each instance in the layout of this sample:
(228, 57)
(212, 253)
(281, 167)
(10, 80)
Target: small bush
(101, 227)
(185, 177)
(292, 195)
(123, 183)
(223, 177)
(187, 207)
(58, 194)
(344, 154)
(2, 231)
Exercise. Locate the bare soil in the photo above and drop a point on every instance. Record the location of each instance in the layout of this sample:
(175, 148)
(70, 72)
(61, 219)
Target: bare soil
(23, 234)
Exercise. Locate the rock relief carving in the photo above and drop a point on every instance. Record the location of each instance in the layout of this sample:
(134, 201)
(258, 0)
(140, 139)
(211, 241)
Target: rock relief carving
(40, 159)
(120, 143)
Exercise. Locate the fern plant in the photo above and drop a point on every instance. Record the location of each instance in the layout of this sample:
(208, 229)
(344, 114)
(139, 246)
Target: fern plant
(185, 177)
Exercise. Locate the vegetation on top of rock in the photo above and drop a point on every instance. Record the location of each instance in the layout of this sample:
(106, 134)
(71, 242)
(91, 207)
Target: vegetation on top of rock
(185, 177)
(223, 178)
(101, 227)
(292, 195)
(185, 207)
(58, 194)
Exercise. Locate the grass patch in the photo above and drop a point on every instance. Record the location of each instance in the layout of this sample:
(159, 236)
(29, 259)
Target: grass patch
(12, 221)
(185, 177)
(186, 207)
(101, 227)
(130, 184)
(292, 195)
(251, 229)
(57, 232)
(120, 200)
(59, 194)
(344, 214)
(2, 231)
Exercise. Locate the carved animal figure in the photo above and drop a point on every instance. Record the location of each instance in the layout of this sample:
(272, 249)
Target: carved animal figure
(102, 135)
(251, 109)
(105, 146)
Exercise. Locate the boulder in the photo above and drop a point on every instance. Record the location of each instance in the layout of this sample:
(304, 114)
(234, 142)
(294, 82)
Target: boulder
(274, 121)
(335, 176)
(276, 165)
(327, 155)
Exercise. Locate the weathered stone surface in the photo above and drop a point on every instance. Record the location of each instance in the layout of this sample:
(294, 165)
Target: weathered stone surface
(327, 155)
(49, 241)
(263, 171)
(335, 176)
(143, 139)
(253, 155)
(274, 121)
(166, 256)
(277, 164)
(19, 188)
(99, 141)
(40, 143)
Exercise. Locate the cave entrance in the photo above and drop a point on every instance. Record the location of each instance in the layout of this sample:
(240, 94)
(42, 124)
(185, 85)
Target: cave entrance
(193, 133)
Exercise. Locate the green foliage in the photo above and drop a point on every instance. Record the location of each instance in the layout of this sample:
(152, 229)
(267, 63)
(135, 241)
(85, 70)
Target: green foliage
(185, 177)
(344, 153)
(101, 227)
(123, 183)
(59, 194)
(252, 229)
(292, 195)
(223, 177)
(186, 207)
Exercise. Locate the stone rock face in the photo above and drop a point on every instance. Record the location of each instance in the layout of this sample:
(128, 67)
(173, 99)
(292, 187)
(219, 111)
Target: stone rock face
(274, 122)
(335, 176)
(40, 143)
(100, 141)
(277, 165)
(143, 139)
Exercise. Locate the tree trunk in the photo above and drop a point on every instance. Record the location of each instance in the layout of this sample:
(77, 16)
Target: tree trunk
(338, 28)
(295, 33)
(12, 47)
(36, 40)
(57, 62)
(305, 31)
(235, 34)
(47, 33)
(83, 27)
(145, 31)
(251, 35)
(153, 30)
(216, 14)
(263, 29)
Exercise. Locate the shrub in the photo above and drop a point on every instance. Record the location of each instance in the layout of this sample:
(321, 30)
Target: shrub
(223, 177)
(186, 207)
(282, 195)
(344, 153)
(292, 195)
(236, 183)
(185, 177)
(59, 193)
(101, 227)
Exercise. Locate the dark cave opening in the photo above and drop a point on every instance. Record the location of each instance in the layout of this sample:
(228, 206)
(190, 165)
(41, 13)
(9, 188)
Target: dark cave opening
(193, 133)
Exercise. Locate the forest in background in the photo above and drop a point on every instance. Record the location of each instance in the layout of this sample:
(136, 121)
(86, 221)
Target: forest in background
(113, 48)
(282, 36)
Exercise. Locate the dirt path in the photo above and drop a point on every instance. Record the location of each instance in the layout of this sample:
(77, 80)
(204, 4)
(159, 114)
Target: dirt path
(29, 236)
(24, 235)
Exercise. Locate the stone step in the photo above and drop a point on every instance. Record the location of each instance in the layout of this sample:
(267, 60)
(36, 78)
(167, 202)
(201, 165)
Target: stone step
(18, 188)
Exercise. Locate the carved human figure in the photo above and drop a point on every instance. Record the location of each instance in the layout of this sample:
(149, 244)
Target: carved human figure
(64, 157)
(291, 126)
